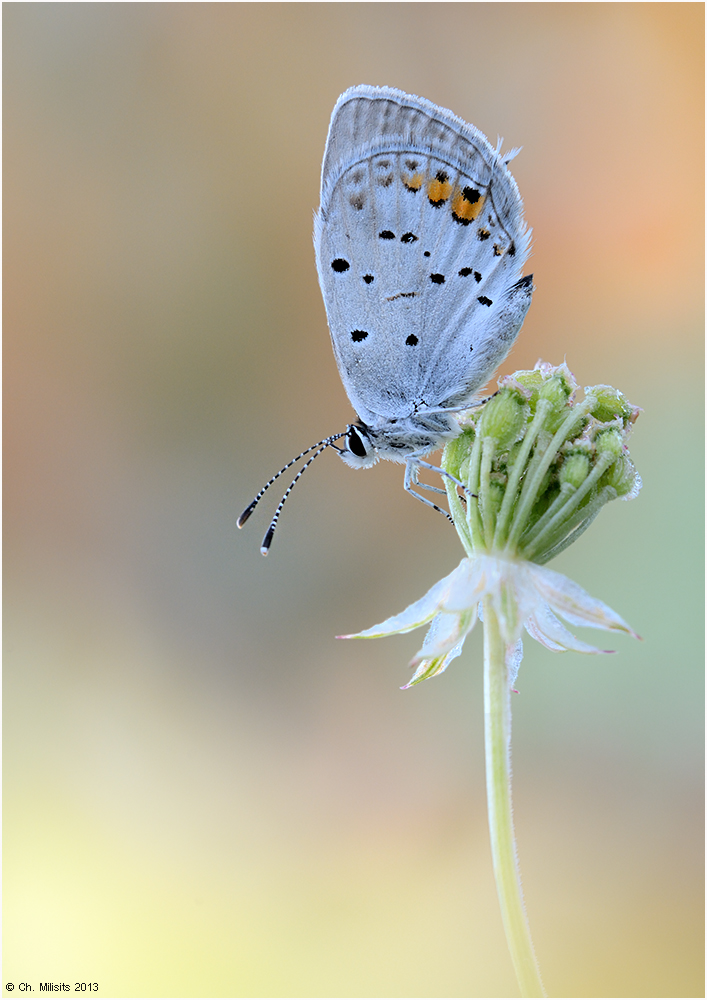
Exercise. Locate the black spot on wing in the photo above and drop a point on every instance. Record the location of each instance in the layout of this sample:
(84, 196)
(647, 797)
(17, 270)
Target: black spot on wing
(437, 279)
(386, 235)
(412, 340)
(368, 278)
(485, 301)
(340, 265)
(408, 238)
(466, 271)
(358, 335)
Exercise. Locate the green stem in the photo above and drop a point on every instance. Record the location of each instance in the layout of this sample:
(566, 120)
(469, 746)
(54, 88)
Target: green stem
(459, 516)
(488, 450)
(497, 715)
(473, 515)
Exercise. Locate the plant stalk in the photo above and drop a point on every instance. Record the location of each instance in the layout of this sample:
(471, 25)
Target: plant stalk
(497, 718)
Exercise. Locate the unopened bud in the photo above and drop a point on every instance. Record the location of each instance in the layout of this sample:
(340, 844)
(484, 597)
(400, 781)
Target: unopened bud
(456, 453)
(504, 418)
(609, 441)
(575, 469)
(556, 391)
(610, 404)
(622, 476)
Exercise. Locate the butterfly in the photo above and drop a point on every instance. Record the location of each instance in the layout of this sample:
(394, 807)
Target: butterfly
(420, 243)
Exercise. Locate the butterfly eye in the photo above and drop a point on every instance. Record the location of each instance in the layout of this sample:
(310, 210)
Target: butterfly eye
(355, 444)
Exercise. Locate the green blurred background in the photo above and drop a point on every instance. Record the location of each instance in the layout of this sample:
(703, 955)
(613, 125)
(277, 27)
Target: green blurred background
(205, 793)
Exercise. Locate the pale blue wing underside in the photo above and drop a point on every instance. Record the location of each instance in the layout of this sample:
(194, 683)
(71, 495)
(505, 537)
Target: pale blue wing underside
(420, 240)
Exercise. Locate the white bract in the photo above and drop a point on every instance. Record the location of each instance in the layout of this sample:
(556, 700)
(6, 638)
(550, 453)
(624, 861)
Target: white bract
(523, 596)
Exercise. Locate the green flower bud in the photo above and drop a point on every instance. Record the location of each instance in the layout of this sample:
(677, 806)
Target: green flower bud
(456, 453)
(610, 404)
(530, 383)
(622, 476)
(575, 469)
(530, 380)
(609, 440)
(555, 391)
(504, 417)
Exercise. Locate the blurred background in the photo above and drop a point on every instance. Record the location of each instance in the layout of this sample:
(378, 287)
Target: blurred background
(206, 794)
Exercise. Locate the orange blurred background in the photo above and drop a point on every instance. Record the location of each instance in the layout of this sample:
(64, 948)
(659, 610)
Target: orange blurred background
(205, 793)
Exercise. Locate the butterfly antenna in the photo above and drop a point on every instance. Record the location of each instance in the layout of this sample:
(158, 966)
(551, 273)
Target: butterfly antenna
(323, 445)
(251, 506)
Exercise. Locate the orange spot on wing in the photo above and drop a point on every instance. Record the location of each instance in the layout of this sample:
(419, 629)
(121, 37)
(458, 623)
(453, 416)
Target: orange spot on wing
(464, 210)
(414, 182)
(438, 191)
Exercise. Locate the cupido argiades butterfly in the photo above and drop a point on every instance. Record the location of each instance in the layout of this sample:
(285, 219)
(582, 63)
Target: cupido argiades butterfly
(420, 243)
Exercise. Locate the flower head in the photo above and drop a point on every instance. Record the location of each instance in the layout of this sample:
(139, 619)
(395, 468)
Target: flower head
(537, 466)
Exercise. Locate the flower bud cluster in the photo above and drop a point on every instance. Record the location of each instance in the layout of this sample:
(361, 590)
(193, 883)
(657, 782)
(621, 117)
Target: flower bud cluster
(538, 464)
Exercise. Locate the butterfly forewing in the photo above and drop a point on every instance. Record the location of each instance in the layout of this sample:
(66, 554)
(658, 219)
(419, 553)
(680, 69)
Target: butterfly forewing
(419, 238)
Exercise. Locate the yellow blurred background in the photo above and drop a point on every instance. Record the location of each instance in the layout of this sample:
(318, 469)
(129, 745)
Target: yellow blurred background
(205, 793)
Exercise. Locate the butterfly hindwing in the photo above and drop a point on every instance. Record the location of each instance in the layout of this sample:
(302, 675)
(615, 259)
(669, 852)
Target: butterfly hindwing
(419, 241)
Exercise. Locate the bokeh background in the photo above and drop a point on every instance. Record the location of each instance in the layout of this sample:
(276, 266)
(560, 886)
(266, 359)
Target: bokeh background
(206, 794)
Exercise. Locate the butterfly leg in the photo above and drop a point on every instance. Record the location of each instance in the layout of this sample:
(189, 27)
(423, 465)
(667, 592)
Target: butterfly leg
(442, 472)
(411, 470)
(430, 488)
(436, 489)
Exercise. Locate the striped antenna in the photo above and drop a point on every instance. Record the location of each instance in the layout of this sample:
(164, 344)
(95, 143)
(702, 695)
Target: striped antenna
(318, 448)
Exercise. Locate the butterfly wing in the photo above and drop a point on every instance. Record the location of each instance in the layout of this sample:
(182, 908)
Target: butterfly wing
(420, 243)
